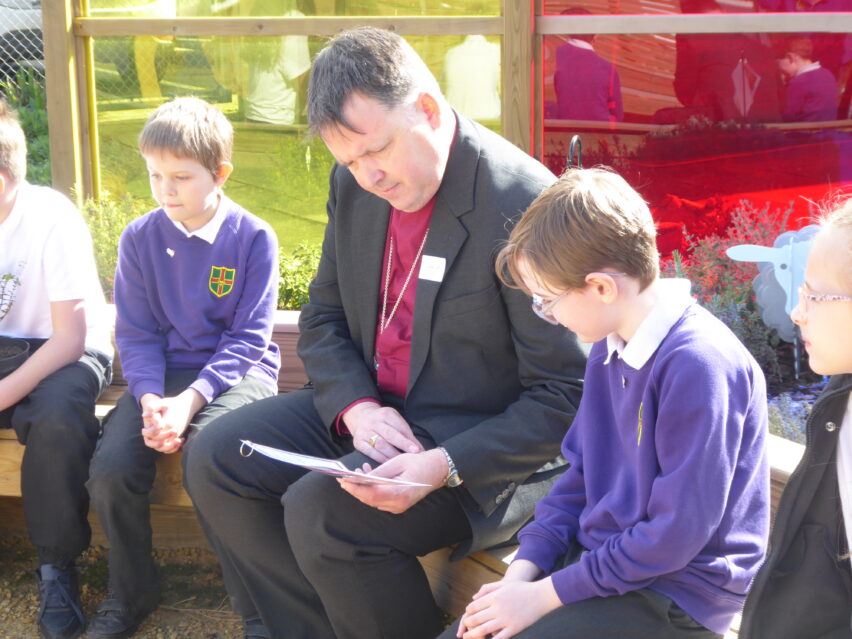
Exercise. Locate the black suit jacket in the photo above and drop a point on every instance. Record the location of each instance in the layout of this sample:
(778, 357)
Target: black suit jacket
(494, 384)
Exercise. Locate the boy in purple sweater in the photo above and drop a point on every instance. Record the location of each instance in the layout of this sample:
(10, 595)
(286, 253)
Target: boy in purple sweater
(660, 522)
(195, 294)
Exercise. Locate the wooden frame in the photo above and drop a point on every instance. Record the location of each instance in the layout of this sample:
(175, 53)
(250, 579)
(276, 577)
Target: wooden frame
(522, 26)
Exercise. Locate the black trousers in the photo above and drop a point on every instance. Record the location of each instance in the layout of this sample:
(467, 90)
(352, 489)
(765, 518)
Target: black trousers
(121, 478)
(641, 614)
(325, 565)
(57, 424)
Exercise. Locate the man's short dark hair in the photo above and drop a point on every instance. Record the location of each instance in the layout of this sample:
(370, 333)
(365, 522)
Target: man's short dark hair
(376, 63)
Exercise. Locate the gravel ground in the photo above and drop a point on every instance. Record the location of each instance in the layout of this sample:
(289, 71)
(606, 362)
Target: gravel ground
(193, 600)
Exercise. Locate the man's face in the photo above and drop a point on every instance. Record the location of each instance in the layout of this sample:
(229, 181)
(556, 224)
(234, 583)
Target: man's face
(393, 153)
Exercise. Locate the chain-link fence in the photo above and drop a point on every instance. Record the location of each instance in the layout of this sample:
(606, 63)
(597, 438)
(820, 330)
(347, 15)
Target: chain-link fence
(21, 40)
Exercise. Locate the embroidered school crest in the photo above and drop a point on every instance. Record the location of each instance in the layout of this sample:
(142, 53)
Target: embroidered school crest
(221, 280)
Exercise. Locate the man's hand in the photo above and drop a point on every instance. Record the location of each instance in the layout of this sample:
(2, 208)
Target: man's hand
(380, 432)
(165, 419)
(428, 467)
(505, 608)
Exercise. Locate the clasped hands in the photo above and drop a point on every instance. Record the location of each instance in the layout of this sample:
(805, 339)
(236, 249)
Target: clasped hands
(502, 609)
(165, 419)
(382, 434)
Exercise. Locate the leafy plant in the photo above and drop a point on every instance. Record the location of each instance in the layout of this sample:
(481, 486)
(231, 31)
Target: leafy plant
(296, 272)
(107, 218)
(28, 97)
(724, 286)
(787, 418)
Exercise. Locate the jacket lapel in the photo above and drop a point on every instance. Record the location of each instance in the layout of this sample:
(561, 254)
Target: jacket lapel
(370, 227)
(447, 235)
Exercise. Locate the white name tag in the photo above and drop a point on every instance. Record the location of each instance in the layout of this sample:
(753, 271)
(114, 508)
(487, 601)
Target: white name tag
(432, 268)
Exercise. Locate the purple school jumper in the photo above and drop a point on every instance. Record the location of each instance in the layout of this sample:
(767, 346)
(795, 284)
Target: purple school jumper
(668, 484)
(183, 303)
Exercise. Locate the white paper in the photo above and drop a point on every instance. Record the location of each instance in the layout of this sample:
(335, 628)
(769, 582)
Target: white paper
(326, 466)
(432, 268)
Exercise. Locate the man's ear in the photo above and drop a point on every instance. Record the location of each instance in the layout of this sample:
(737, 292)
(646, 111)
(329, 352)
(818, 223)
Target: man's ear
(4, 182)
(223, 172)
(428, 105)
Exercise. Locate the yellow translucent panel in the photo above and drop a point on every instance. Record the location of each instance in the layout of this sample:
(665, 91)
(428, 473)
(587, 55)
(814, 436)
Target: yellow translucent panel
(226, 8)
(260, 83)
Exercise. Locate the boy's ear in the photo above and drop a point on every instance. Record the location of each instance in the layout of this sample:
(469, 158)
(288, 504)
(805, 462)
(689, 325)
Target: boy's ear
(4, 182)
(223, 172)
(604, 285)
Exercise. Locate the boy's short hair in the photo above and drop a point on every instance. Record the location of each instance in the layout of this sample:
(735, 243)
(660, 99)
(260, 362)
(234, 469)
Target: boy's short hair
(802, 47)
(13, 144)
(189, 128)
(588, 220)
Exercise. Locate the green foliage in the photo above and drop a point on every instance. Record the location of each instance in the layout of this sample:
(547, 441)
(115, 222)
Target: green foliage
(787, 418)
(107, 218)
(296, 272)
(26, 94)
(724, 286)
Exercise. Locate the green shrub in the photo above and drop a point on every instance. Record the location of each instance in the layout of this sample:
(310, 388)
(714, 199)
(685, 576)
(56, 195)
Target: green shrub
(27, 96)
(787, 418)
(107, 218)
(724, 286)
(296, 272)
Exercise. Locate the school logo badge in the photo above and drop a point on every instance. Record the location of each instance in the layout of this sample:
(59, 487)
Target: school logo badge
(221, 280)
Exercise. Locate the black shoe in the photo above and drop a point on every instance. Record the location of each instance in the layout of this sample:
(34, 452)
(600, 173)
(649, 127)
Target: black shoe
(59, 613)
(114, 620)
(254, 629)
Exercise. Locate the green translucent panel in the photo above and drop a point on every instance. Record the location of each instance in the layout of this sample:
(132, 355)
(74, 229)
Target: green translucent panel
(224, 9)
(260, 84)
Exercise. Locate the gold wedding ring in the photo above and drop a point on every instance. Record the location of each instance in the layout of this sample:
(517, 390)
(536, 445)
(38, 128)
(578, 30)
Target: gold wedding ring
(373, 441)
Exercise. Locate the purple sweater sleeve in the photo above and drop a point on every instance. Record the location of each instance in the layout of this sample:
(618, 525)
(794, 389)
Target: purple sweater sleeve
(245, 341)
(141, 345)
(545, 539)
(698, 443)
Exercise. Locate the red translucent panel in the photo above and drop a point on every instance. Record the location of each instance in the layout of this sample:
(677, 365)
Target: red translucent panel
(663, 7)
(708, 121)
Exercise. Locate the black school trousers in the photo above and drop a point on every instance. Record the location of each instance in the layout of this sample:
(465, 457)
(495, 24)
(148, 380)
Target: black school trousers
(56, 423)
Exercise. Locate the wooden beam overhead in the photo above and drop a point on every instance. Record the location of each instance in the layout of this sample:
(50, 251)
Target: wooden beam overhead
(316, 26)
(794, 22)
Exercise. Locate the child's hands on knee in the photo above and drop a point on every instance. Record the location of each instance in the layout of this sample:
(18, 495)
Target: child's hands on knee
(166, 419)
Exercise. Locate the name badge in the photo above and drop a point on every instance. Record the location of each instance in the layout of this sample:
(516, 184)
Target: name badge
(432, 268)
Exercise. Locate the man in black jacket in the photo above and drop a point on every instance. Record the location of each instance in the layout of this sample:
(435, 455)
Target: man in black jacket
(421, 363)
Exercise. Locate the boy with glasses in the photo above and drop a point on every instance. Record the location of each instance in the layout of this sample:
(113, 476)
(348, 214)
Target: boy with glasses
(660, 522)
(805, 587)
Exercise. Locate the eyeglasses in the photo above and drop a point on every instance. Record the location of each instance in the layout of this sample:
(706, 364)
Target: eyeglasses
(545, 309)
(805, 297)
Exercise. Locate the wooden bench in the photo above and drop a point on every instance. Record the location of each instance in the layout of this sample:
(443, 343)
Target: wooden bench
(453, 583)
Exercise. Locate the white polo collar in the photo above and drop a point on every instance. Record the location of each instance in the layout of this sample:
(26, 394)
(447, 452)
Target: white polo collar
(209, 231)
(580, 44)
(811, 67)
(675, 299)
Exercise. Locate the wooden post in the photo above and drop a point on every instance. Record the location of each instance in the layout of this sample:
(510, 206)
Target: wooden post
(517, 72)
(64, 117)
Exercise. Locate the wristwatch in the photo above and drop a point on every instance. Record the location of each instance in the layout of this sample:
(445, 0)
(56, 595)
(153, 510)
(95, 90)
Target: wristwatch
(453, 479)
